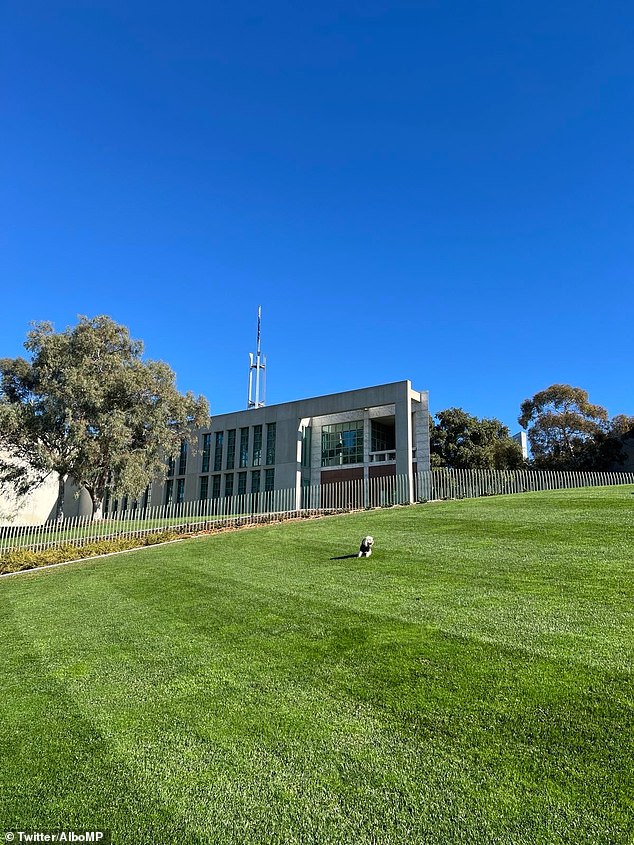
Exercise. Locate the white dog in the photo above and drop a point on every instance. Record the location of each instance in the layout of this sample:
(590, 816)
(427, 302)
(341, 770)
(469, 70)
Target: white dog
(365, 549)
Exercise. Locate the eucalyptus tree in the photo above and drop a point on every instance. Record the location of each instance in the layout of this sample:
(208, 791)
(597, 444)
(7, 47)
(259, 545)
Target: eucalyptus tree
(87, 406)
(563, 427)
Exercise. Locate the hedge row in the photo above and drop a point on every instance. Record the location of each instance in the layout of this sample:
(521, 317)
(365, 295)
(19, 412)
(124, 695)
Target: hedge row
(21, 559)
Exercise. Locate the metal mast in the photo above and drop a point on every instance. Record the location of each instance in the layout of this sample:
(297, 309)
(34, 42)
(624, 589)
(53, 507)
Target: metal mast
(259, 365)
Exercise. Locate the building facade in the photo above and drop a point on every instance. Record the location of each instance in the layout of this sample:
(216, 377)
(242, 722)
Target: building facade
(359, 434)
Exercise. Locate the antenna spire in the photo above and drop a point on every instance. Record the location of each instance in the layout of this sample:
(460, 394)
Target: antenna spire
(259, 365)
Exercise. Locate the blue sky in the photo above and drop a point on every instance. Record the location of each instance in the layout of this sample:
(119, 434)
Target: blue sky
(439, 191)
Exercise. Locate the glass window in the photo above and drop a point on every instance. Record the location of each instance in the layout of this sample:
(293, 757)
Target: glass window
(257, 445)
(382, 437)
(242, 483)
(204, 487)
(180, 491)
(270, 443)
(342, 443)
(169, 490)
(269, 479)
(206, 451)
(182, 459)
(218, 451)
(306, 445)
(215, 487)
(244, 447)
(229, 484)
(231, 449)
(171, 465)
(255, 480)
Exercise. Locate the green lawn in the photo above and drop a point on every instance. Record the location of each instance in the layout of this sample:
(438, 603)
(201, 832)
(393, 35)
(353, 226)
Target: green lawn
(471, 682)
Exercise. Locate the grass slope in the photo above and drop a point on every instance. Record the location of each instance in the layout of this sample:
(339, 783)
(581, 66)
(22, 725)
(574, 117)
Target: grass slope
(471, 682)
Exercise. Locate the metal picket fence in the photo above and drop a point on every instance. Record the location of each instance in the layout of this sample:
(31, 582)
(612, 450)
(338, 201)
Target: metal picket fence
(277, 505)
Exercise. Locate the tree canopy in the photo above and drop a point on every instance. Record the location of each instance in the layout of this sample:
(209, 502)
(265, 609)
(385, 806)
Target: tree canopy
(459, 440)
(564, 427)
(87, 406)
(608, 448)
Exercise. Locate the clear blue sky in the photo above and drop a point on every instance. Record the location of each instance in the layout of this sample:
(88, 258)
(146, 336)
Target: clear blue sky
(440, 191)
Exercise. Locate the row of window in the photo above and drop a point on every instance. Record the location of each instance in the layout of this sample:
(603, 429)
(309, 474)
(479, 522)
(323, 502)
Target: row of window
(341, 443)
(210, 485)
(111, 505)
(227, 446)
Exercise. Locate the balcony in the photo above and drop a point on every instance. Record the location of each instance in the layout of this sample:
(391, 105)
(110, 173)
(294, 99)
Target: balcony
(382, 457)
(388, 456)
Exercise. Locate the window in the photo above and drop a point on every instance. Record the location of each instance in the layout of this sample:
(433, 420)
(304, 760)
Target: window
(342, 443)
(255, 480)
(257, 445)
(270, 443)
(269, 479)
(229, 484)
(215, 486)
(206, 451)
(204, 487)
(180, 491)
(146, 497)
(171, 465)
(169, 490)
(182, 459)
(231, 449)
(218, 451)
(242, 483)
(382, 437)
(307, 438)
(244, 447)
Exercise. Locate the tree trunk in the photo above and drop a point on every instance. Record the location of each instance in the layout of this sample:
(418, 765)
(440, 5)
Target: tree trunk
(59, 508)
(97, 509)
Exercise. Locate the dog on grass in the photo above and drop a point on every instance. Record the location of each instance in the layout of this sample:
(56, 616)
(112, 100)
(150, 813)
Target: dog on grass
(365, 549)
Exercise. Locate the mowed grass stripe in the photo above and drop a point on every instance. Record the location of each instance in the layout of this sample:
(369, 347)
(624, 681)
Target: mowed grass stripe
(58, 771)
(247, 688)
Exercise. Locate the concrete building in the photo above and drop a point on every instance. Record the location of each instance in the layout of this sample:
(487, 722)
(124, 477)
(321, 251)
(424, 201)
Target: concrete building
(360, 434)
(363, 434)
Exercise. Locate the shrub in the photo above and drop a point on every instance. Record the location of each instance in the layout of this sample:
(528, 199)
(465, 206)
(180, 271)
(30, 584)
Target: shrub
(18, 560)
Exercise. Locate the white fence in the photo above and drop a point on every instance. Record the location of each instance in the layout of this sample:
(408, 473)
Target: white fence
(277, 505)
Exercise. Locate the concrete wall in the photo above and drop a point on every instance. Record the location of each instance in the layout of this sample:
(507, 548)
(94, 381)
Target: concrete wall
(40, 505)
(32, 509)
